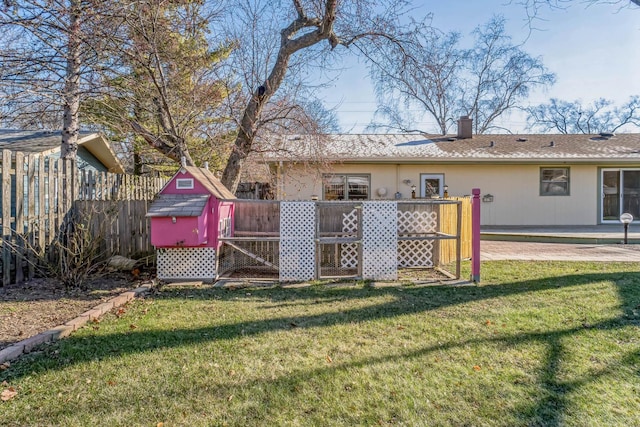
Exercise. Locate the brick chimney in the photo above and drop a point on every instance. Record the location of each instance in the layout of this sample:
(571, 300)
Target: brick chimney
(465, 127)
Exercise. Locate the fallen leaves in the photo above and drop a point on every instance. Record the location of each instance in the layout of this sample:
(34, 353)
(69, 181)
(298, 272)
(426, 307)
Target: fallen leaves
(8, 394)
(477, 368)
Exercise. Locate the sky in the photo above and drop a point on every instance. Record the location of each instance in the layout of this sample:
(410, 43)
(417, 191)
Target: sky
(594, 50)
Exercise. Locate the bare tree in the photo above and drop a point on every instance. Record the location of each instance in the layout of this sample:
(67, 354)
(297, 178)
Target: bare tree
(424, 76)
(433, 75)
(502, 75)
(574, 117)
(44, 64)
(533, 7)
(308, 31)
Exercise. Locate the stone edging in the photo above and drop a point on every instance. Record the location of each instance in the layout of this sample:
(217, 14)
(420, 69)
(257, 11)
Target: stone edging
(25, 346)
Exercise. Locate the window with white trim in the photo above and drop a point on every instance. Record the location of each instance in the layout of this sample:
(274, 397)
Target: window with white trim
(184, 183)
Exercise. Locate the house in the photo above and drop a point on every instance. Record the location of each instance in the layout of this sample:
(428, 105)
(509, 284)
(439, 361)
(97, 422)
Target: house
(94, 151)
(525, 180)
(189, 215)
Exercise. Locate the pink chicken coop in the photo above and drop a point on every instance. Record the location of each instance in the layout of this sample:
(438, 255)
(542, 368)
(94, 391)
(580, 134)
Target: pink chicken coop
(188, 216)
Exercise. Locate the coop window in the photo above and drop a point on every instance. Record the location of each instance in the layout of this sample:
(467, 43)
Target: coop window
(184, 183)
(554, 181)
(346, 187)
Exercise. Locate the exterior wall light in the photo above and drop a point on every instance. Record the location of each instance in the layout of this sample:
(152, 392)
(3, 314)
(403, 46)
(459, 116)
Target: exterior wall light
(487, 198)
(626, 219)
(446, 191)
(413, 191)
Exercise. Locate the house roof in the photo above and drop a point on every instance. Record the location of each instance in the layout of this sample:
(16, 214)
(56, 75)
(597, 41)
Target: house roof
(178, 205)
(48, 142)
(623, 148)
(210, 182)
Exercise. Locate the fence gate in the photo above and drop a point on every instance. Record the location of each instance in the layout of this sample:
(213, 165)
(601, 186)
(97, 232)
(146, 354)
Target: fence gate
(338, 240)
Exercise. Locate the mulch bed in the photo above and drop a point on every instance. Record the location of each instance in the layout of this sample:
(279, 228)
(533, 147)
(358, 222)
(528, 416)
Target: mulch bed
(41, 304)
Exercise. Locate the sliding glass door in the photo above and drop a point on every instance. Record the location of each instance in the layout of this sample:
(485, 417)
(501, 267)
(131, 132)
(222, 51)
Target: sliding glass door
(620, 193)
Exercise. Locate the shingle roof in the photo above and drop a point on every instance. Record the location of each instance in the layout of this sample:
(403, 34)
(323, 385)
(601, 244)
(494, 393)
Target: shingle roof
(31, 141)
(178, 205)
(48, 142)
(499, 148)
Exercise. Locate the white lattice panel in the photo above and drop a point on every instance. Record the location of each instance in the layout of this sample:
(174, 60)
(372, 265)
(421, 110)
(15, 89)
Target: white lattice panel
(379, 240)
(415, 253)
(186, 263)
(297, 241)
(417, 222)
(349, 251)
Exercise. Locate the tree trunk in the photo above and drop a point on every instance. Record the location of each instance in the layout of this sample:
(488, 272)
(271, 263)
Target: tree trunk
(71, 125)
(288, 46)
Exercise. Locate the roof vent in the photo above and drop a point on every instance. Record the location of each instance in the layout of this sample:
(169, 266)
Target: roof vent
(492, 144)
(552, 144)
(452, 139)
(521, 139)
(607, 134)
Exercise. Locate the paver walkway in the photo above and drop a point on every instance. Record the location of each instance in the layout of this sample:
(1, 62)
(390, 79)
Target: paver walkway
(528, 251)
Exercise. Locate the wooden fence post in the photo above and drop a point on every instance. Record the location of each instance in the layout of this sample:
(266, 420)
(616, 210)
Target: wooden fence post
(6, 217)
(19, 204)
(475, 236)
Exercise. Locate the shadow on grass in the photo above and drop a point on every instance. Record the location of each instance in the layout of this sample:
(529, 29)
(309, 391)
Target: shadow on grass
(548, 410)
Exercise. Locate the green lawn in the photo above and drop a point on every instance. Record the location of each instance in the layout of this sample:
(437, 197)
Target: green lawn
(537, 344)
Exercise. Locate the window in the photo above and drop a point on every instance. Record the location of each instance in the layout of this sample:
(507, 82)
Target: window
(184, 183)
(554, 181)
(346, 187)
(431, 185)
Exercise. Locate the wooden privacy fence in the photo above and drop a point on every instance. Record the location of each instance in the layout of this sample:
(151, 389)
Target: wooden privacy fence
(448, 225)
(39, 195)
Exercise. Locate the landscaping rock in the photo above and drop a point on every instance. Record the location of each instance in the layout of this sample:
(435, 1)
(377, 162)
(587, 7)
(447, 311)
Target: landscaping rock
(11, 353)
(118, 262)
(34, 341)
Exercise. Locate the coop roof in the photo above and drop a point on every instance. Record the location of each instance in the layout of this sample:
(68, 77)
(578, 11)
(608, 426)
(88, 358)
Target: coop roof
(210, 182)
(178, 205)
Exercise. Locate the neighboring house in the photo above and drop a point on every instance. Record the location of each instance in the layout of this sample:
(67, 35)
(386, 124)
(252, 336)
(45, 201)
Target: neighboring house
(94, 151)
(524, 179)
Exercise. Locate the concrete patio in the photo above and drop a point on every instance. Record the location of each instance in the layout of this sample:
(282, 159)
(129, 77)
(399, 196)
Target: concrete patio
(596, 234)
